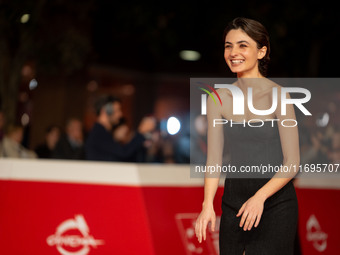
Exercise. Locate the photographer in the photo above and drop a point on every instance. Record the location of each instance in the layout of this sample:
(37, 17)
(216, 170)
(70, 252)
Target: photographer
(101, 145)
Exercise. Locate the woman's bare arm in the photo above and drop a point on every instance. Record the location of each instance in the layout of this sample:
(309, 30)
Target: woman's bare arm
(211, 180)
(291, 153)
(215, 152)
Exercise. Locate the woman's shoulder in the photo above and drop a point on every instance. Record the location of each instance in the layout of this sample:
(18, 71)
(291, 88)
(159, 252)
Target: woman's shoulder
(225, 95)
(223, 92)
(268, 86)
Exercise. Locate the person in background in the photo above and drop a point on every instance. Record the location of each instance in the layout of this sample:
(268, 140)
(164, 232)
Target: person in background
(320, 148)
(101, 145)
(11, 147)
(52, 136)
(182, 143)
(2, 125)
(154, 148)
(199, 140)
(123, 135)
(334, 153)
(121, 132)
(71, 145)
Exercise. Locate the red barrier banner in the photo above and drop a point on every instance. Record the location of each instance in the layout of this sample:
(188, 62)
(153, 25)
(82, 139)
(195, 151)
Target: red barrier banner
(318, 220)
(81, 208)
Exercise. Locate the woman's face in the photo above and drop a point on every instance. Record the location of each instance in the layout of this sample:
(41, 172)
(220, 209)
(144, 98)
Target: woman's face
(241, 54)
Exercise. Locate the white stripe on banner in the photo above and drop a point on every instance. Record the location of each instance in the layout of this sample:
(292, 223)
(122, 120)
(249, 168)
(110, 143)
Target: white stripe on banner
(125, 174)
(91, 172)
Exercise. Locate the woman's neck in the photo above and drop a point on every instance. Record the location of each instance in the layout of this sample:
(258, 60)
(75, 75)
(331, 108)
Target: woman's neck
(250, 74)
(249, 79)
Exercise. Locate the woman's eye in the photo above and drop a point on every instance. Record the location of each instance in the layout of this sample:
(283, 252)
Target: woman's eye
(228, 46)
(243, 45)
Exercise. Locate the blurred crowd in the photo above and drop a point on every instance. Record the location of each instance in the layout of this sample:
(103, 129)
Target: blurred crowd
(320, 146)
(110, 139)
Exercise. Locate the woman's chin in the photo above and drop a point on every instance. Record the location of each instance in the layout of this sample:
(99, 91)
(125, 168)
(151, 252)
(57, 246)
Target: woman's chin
(237, 70)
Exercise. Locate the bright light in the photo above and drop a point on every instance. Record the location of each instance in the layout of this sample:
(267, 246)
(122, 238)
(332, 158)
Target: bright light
(25, 119)
(33, 84)
(322, 120)
(24, 18)
(190, 55)
(173, 125)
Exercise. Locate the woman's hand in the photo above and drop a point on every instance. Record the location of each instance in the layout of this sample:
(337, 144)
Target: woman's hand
(252, 210)
(207, 215)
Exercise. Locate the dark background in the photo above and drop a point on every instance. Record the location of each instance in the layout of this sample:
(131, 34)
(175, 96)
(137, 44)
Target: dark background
(77, 50)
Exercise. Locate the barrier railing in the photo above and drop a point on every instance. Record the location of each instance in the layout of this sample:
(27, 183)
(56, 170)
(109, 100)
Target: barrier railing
(82, 207)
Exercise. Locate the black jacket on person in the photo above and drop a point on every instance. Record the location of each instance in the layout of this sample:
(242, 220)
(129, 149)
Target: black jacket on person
(65, 150)
(101, 146)
(43, 151)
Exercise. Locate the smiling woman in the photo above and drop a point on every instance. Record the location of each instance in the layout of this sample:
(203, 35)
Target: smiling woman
(259, 211)
(247, 47)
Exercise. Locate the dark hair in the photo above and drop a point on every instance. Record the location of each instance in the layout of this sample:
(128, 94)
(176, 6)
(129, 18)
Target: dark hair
(51, 127)
(122, 121)
(103, 101)
(257, 32)
(14, 128)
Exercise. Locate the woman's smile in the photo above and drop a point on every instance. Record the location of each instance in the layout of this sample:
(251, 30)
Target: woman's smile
(236, 62)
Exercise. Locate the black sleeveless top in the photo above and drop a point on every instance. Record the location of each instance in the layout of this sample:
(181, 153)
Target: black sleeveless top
(253, 149)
